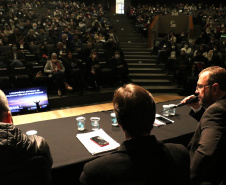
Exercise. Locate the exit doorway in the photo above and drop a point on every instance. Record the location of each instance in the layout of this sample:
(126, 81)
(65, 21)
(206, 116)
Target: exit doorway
(119, 7)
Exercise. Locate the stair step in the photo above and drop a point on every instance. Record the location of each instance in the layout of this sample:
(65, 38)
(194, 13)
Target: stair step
(137, 52)
(155, 82)
(143, 60)
(138, 56)
(136, 49)
(133, 45)
(145, 70)
(150, 76)
(124, 29)
(142, 65)
(130, 40)
(122, 33)
(162, 89)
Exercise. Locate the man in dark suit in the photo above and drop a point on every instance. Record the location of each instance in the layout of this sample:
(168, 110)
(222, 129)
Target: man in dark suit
(207, 147)
(141, 159)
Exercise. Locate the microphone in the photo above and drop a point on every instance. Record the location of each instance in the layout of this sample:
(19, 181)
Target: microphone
(191, 100)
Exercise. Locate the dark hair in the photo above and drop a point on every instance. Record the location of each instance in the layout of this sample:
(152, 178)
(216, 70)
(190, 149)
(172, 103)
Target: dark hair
(135, 109)
(216, 75)
(93, 51)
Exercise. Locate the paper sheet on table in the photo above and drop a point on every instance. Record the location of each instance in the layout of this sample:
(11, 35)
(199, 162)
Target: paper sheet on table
(92, 147)
(158, 123)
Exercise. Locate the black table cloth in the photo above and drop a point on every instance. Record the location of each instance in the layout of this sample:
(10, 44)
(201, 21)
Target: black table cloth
(68, 152)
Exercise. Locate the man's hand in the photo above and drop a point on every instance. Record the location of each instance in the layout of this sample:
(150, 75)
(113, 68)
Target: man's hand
(195, 105)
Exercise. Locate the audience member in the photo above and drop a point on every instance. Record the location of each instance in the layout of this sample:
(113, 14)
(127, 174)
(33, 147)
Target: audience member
(93, 70)
(141, 158)
(182, 38)
(74, 72)
(86, 51)
(55, 70)
(61, 50)
(67, 45)
(171, 53)
(200, 61)
(31, 38)
(69, 35)
(161, 50)
(15, 57)
(14, 36)
(202, 39)
(119, 68)
(202, 50)
(42, 54)
(172, 38)
(188, 50)
(182, 69)
(22, 45)
(8, 31)
(42, 37)
(215, 57)
(83, 23)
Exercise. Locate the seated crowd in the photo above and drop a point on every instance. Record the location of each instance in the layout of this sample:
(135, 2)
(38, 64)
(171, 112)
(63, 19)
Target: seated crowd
(74, 54)
(185, 58)
(70, 42)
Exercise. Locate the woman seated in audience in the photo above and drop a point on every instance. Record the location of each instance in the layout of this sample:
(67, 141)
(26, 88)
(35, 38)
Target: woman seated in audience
(182, 68)
(182, 38)
(55, 70)
(15, 57)
(119, 68)
(202, 50)
(188, 50)
(4, 41)
(100, 38)
(172, 38)
(60, 50)
(42, 54)
(8, 30)
(31, 37)
(22, 44)
(93, 70)
(215, 57)
(200, 61)
(172, 53)
(74, 73)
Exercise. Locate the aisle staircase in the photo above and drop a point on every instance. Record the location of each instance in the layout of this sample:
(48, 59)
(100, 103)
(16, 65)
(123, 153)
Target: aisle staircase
(141, 62)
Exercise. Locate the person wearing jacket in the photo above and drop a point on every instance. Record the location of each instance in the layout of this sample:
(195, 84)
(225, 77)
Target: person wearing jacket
(207, 146)
(141, 158)
(119, 68)
(55, 70)
(16, 146)
(93, 70)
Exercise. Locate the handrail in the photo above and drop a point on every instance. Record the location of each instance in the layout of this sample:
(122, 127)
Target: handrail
(150, 31)
(191, 27)
(153, 22)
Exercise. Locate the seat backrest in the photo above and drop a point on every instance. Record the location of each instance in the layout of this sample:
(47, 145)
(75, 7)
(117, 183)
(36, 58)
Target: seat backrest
(35, 171)
(5, 49)
(50, 48)
(19, 71)
(4, 71)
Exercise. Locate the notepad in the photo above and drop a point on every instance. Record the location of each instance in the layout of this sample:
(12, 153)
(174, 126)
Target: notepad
(92, 147)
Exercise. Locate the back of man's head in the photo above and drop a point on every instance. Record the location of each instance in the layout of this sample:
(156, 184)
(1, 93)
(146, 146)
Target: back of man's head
(4, 107)
(135, 110)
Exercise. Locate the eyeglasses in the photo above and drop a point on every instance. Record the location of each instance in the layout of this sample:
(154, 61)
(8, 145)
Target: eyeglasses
(200, 86)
